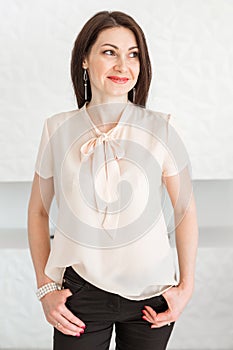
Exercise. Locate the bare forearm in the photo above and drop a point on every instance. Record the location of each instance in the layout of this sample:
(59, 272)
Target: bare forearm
(187, 243)
(39, 243)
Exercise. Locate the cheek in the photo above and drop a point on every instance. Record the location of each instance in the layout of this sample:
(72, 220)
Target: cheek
(100, 68)
(136, 69)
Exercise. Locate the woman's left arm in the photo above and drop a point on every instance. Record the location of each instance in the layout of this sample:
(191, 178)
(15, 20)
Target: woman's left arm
(179, 188)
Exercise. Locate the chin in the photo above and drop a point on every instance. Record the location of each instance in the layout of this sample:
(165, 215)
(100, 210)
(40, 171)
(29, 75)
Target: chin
(119, 94)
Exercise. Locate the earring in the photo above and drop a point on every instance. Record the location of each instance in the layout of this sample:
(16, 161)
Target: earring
(85, 78)
(134, 94)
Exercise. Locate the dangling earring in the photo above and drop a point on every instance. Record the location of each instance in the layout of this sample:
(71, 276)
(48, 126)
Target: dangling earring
(134, 94)
(85, 78)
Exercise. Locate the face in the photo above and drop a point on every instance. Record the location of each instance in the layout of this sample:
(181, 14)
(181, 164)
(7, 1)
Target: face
(113, 65)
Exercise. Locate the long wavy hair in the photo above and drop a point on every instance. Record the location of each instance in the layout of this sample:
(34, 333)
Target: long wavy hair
(86, 39)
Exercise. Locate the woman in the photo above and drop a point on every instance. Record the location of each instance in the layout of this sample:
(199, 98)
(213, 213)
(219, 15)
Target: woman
(111, 262)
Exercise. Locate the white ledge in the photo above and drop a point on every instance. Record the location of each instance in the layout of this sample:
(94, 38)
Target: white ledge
(220, 236)
(14, 238)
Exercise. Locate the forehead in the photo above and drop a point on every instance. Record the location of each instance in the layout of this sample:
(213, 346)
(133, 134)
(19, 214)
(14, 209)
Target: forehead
(119, 36)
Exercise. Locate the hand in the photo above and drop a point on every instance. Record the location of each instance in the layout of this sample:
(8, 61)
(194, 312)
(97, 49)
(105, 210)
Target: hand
(177, 298)
(58, 315)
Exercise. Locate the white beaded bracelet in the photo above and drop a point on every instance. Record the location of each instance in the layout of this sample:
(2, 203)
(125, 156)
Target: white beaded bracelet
(47, 288)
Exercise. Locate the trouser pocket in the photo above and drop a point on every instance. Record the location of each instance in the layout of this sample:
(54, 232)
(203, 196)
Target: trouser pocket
(75, 283)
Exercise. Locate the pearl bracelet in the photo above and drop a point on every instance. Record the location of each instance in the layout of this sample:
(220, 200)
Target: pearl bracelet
(47, 288)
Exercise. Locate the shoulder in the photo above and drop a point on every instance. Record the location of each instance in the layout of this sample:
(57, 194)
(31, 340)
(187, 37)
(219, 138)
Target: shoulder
(54, 121)
(153, 115)
(153, 120)
(62, 116)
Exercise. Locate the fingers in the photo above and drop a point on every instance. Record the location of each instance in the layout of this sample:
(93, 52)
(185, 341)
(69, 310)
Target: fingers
(149, 314)
(72, 319)
(68, 323)
(157, 320)
(65, 328)
(66, 292)
(59, 315)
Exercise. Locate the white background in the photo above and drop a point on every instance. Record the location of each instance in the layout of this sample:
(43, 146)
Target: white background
(190, 43)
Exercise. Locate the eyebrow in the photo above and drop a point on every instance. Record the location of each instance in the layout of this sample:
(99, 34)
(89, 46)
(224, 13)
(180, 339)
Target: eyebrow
(117, 48)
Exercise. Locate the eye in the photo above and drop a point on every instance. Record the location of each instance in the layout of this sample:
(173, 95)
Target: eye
(133, 54)
(109, 52)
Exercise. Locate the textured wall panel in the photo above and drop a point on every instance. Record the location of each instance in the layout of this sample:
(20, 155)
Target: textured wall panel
(207, 321)
(22, 323)
(192, 54)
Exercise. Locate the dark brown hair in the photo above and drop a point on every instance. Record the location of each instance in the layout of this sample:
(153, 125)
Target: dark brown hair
(86, 39)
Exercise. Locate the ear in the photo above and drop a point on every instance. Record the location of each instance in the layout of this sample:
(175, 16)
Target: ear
(84, 64)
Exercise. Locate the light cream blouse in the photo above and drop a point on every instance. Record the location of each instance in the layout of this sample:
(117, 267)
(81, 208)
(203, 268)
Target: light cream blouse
(109, 192)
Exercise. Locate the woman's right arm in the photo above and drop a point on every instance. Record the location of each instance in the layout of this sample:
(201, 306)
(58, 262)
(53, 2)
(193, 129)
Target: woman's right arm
(53, 303)
(38, 225)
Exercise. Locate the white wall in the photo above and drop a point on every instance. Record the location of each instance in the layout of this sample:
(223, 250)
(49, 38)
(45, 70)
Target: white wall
(191, 50)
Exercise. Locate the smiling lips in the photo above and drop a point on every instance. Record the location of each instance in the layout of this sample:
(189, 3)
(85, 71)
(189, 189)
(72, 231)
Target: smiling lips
(118, 80)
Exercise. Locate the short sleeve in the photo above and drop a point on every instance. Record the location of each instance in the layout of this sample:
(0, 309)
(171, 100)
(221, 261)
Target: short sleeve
(176, 156)
(44, 160)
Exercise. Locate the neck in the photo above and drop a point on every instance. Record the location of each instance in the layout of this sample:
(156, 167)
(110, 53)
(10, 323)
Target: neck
(100, 100)
(106, 113)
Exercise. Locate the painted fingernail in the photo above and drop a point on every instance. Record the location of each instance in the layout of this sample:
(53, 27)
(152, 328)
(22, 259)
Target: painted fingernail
(83, 326)
(77, 335)
(144, 311)
(82, 331)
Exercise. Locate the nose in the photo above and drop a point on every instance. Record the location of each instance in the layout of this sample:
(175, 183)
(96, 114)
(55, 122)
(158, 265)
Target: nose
(121, 64)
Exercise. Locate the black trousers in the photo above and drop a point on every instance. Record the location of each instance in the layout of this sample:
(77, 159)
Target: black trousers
(100, 310)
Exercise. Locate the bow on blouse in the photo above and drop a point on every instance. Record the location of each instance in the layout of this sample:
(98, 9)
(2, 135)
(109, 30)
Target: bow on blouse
(89, 147)
(105, 151)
